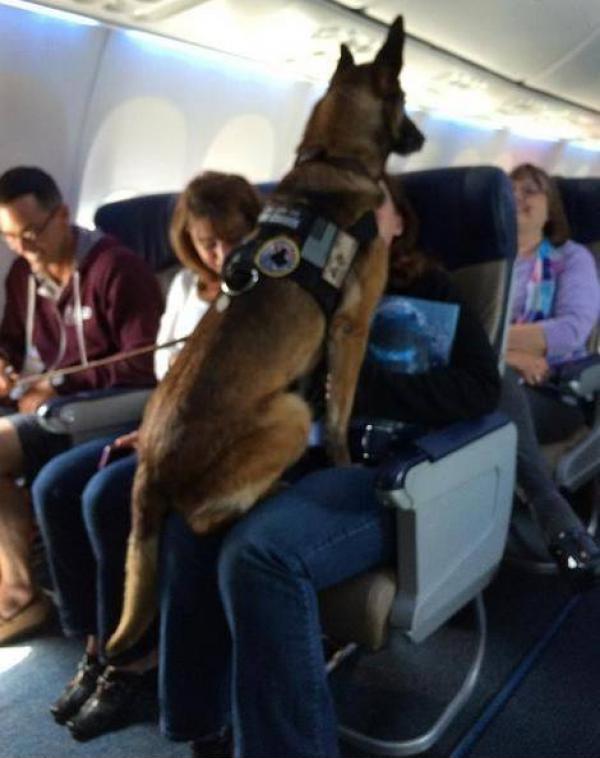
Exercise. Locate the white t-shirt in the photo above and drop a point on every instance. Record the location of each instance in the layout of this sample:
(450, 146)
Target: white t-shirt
(182, 312)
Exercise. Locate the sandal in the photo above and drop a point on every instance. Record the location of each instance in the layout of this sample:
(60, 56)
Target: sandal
(26, 620)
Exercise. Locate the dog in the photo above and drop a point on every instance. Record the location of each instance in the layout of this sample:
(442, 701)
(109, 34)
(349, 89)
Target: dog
(229, 419)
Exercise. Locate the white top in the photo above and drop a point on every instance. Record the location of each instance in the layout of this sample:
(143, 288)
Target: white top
(182, 312)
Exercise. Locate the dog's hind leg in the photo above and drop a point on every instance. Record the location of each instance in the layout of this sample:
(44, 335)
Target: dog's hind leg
(140, 598)
(253, 464)
(347, 342)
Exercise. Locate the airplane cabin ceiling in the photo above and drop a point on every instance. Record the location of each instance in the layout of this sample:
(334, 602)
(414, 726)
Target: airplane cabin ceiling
(530, 66)
(546, 44)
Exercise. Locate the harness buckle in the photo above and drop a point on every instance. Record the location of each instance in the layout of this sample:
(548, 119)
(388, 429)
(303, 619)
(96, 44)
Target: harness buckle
(250, 282)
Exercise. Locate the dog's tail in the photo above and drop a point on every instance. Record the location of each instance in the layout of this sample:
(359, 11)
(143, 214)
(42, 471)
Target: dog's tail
(141, 580)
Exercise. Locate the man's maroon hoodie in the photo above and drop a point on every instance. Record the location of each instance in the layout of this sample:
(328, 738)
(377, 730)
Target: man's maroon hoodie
(112, 303)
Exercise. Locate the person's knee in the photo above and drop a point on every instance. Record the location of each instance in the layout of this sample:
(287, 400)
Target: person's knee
(247, 560)
(47, 495)
(106, 509)
(237, 566)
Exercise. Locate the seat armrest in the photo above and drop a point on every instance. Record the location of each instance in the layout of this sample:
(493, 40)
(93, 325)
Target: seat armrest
(452, 499)
(580, 377)
(434, 446)
(84, 415)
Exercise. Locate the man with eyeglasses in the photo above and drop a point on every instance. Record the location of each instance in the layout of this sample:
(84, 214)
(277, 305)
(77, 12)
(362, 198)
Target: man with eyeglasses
(72, 296)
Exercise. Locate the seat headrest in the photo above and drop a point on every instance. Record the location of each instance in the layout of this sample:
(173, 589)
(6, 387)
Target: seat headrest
(466, 214)
(142, 223)
(581, 199)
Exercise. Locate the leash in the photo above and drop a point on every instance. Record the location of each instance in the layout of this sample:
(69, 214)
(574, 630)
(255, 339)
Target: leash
(67, 370)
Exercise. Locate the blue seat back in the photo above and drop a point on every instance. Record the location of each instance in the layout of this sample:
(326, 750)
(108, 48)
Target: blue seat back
(142, 223)
(466, 214)
(466, 220)
(581, 199)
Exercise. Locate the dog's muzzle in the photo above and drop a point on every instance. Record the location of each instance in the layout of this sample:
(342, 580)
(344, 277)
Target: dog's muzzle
(410, 139)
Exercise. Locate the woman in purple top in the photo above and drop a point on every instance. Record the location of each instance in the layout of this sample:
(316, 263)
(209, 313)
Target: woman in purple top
(556, 304)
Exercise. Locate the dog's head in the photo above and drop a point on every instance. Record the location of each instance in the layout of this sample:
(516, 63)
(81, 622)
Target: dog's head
(362, 113)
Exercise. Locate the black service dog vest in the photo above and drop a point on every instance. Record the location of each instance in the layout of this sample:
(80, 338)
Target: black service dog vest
(295, 243)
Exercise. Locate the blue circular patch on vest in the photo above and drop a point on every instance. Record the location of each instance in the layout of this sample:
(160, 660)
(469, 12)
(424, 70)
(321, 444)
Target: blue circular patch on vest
(278, 256)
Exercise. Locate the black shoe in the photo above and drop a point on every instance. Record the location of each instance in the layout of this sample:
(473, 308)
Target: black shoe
(577, 555)
(215, 746)
(78, 689)
(121, 698)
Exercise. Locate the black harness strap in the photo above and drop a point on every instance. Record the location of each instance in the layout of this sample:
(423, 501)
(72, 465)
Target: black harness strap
(300, 245)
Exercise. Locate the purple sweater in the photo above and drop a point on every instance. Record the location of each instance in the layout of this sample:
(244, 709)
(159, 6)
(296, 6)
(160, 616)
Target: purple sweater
(576, 302)
(119, 309)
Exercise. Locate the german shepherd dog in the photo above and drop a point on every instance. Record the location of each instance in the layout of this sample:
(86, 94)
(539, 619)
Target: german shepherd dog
(228, 419)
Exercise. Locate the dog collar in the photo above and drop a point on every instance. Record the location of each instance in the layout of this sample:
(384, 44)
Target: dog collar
(293, 242)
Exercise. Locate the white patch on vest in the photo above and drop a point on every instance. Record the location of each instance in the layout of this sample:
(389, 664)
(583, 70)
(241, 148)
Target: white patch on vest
(340, 259)
(277, 257)
(273, 214)
(69, 318)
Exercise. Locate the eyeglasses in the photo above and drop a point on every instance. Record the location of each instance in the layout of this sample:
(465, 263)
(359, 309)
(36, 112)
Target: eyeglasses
(31, 234)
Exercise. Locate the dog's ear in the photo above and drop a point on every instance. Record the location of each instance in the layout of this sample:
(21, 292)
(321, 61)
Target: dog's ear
(390, 55)
(385, 81)
(345, 62)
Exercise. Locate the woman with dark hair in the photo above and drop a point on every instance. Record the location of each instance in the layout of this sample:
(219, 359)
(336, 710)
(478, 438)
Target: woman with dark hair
(556, 303)
(84, 513)
(240, 639)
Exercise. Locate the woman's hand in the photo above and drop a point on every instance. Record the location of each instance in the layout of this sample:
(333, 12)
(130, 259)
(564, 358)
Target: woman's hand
(35, 396)
(128, 440)
(533, 368)
(527, 338)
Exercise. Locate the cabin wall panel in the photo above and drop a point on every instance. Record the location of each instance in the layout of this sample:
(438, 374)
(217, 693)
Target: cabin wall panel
(454, 143)
(173, 115)
(47, 67)
(112, 113)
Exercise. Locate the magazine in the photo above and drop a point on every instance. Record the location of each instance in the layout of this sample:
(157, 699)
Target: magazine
(411, 335)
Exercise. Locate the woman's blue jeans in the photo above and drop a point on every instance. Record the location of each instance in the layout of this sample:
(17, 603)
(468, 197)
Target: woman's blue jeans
(240, 631)
(84, 518)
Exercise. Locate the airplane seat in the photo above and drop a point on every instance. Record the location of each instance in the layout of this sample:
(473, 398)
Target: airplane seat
(470, 232)
(451, 489)
(575, 461)
(142, 223)
(452, 493)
